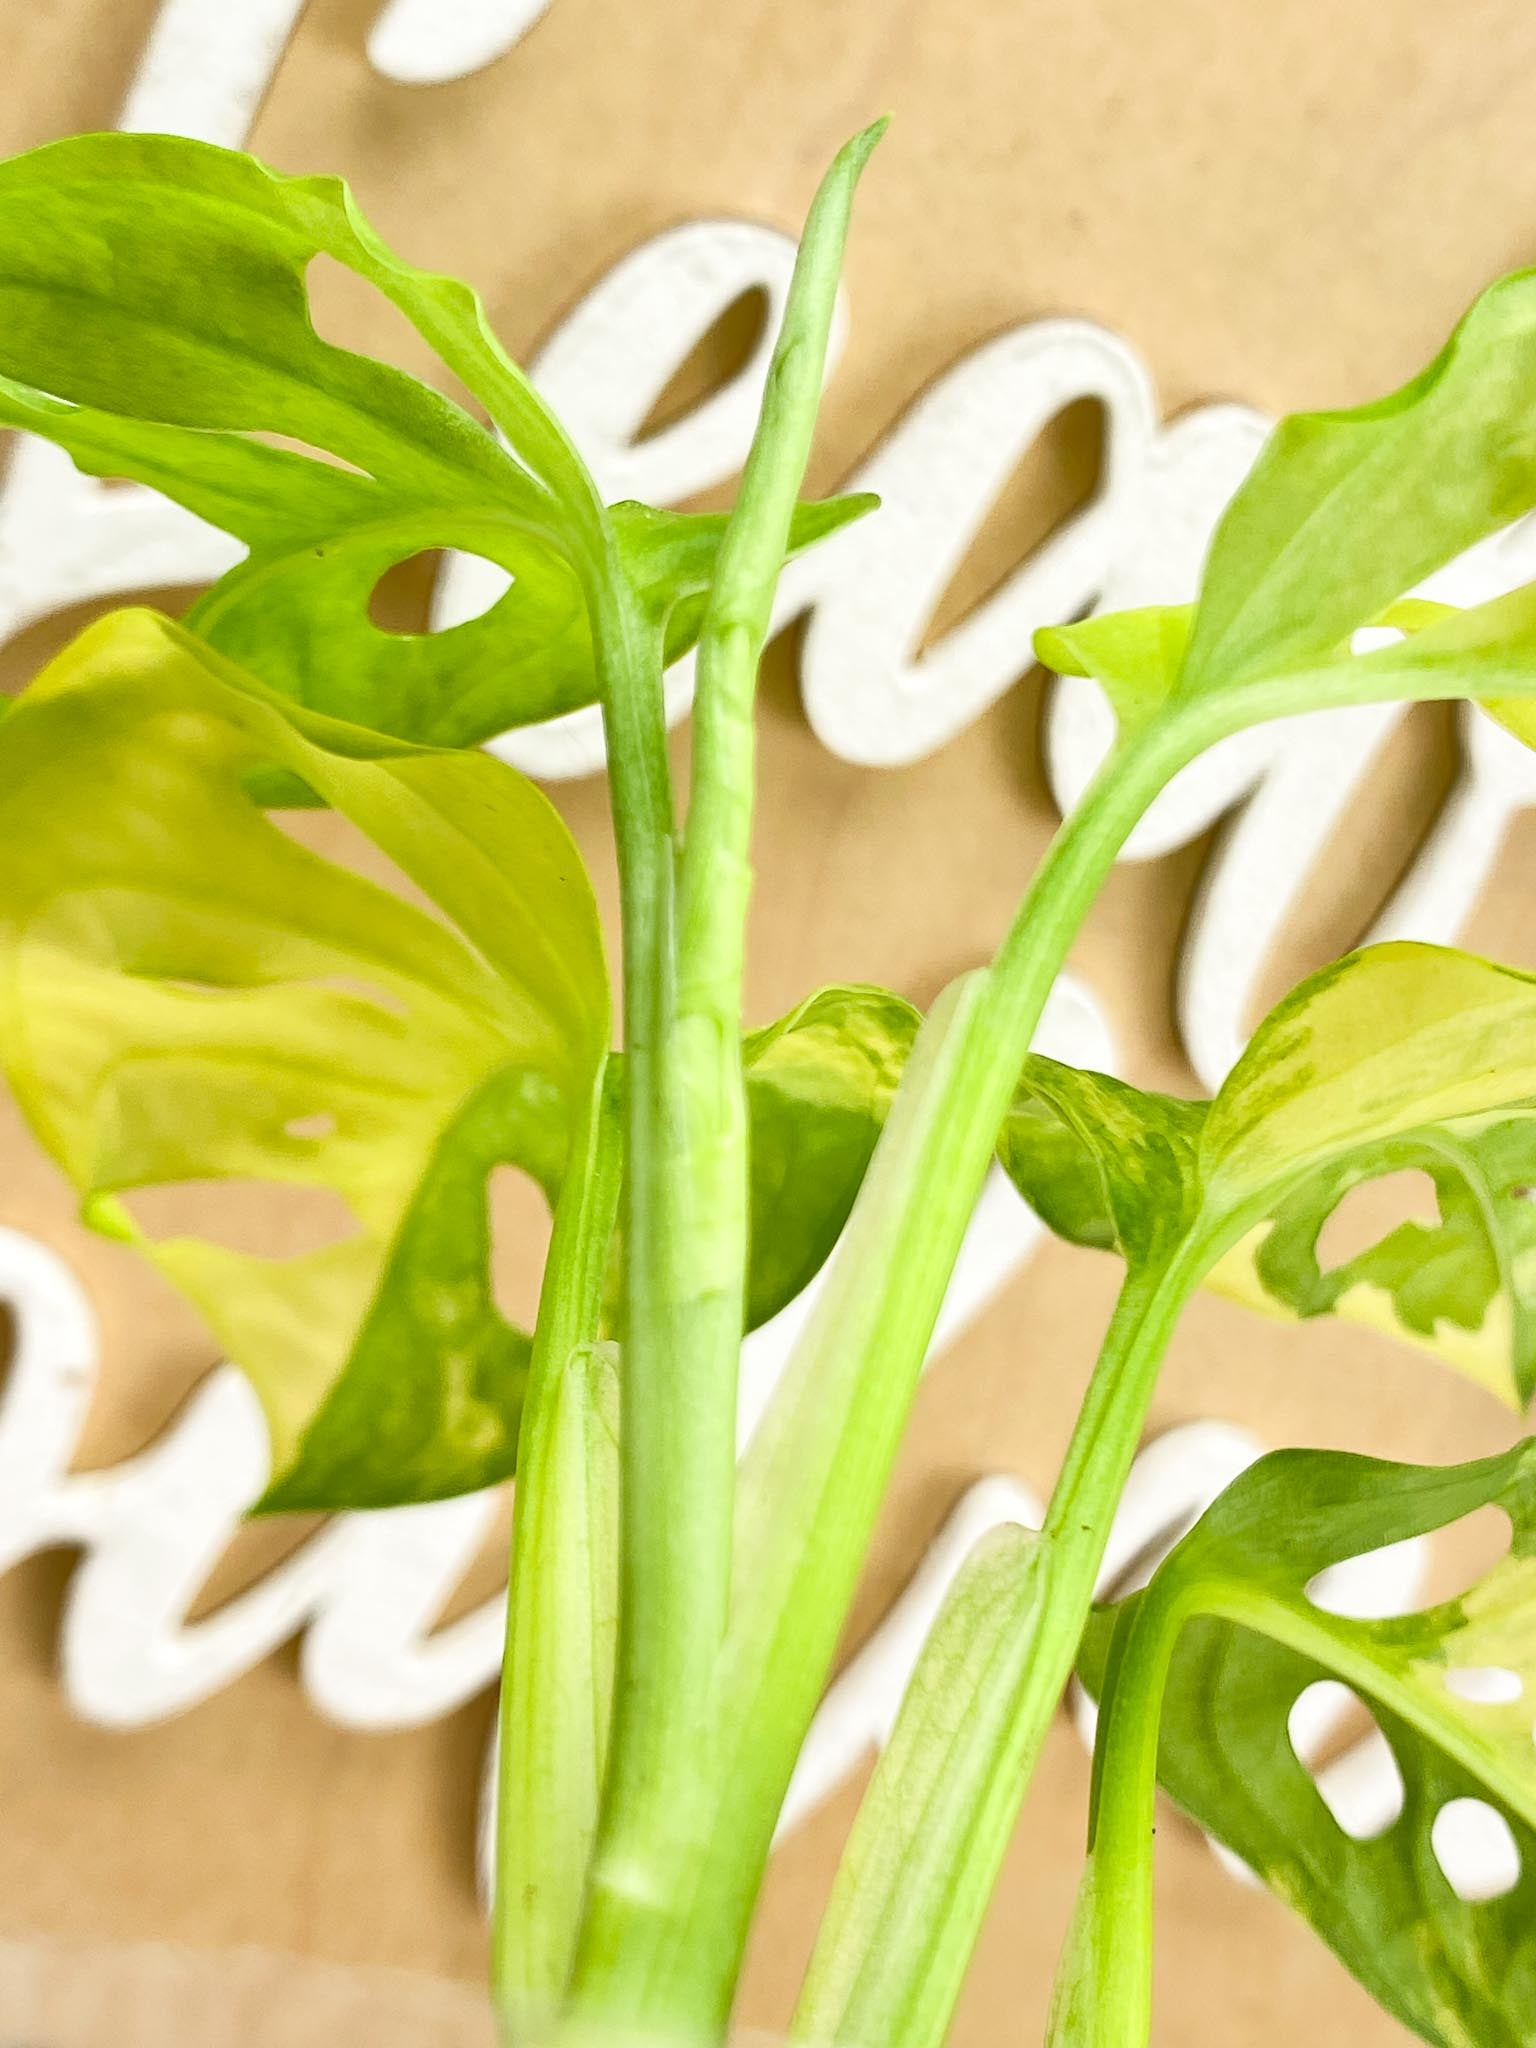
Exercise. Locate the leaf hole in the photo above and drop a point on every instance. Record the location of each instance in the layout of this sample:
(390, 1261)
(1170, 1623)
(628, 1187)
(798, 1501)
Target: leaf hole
(1054, 478)
(1476, 1850)
(401, 601)
(348, 312)
(1336, 1741)
(1485, 1685)
(290, 444)
(1374, 1584)
(311, 1129)
(1418, 1573)
(1371, 1211)
(520, 1227)
(1466, 1551)
(330, 836)
(260, 1219)
(719, 356)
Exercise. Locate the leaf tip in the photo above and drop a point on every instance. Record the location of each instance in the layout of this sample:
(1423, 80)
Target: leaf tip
(1053, 647)
(859, 150)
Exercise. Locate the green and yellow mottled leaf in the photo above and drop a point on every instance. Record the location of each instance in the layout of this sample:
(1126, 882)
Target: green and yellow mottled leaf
(1102, 1163)
(819, 1084)
(1451, 1688)
(1400, 1056)
(188, 996)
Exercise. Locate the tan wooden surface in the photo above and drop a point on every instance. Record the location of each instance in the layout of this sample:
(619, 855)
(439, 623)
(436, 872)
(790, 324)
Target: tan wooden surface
(1286, 203)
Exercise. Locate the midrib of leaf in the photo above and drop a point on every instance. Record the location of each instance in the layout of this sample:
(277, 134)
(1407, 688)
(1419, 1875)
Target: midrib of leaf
(1312, 1632)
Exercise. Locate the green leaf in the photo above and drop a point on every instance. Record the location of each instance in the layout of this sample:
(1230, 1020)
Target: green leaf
(1136, 656)
(299, 618)
(1343, 515)
(1400, 1056)
(1231, 1609)
(190, 996)
(1346, 511)
(163, 281)
(158, 323)
(1102, 1163)
(819, 1084)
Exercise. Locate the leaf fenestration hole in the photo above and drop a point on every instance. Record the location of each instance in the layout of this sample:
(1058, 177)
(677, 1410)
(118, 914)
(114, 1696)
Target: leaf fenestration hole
(330, 836)
(1054, 478)
(400, 602)
(349, 312)
(1337, 1742)
(291, 444)
(1372, 1210)
(1485, 1685)
(721, 353)
(322, 1124)
(1475, 1848)
(520, 1226)
(1448, 1563)
(258, 1218)
(1468, 1550)
(1373, 1585)
(335, 838)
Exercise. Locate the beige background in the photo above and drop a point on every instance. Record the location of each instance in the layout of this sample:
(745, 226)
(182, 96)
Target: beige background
(1286, 203)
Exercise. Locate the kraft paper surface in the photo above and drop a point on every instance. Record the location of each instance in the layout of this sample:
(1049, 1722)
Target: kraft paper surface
(1284, 204)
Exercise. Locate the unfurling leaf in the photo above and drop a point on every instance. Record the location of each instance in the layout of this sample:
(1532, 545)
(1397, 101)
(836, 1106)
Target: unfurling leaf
(158, 326)
(1343, 515)
(1400, 1056)
(189, 996)
(1344, 512)
(1452, 1689)
(819, 1084)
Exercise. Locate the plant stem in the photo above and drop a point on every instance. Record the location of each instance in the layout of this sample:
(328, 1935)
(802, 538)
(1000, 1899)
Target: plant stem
(1103, 1992)
(818, 1468)
(557, 1677)
(690, 1171)
(905, 1914)
(630, 655)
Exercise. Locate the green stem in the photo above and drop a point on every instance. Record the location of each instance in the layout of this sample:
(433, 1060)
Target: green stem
(818, 1469)
(905, 1914)
(652, 1607)
(690, 1174)
(557, 1675)
(1103, 1993)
